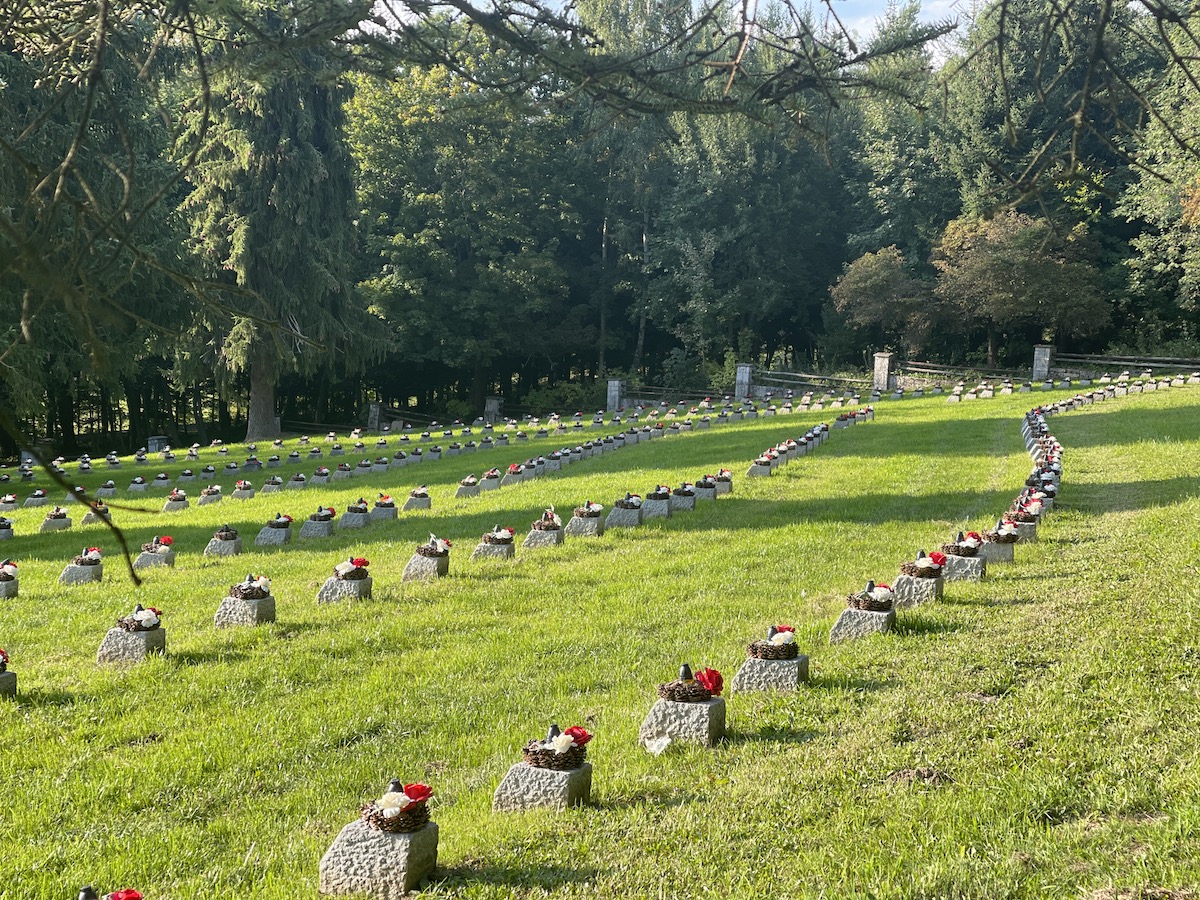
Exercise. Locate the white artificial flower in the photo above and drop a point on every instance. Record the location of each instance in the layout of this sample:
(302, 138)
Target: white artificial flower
(10, 569)
(145, 618)
(882, 593)
(1007, 528)
(783, 637)
(562, 743)
(969, 542)
(393, 803)
(926, 562)
(344, 568)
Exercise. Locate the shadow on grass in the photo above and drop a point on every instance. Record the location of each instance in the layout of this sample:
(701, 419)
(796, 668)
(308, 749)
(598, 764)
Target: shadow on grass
(770, 735)
(36, 698)
(910, 623)
(850, 683)
(202, 657)
(1101, 425)
(1127, 496)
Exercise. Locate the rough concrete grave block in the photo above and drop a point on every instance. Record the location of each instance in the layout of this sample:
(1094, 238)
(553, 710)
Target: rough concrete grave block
(8, 684)
(493, 551)
(121, 646)
(36, 501)
(148, 560)
(236, 611)
(656, 509)
(584, 526)
(706, 493)
(724, 487)
(913, 591)
(528, 787)
(685, 723)
(418, 503)
(537, 538)
(175, 505)
(466, 491)
(8, 589)
(853, 624)
(553, 465)
(384, 513)
(770, 674)
(682, 504)
(74, 574)
(335, 589)
(965, 568)
(377, 864)
(269, 488)
(339, 475)
(489, 484)
(210, 499)
(223, 548)
(623, 518)
(247, 494)
(273, 537)
(311, 529)
(319, 480)
(425, 568)
(1026, 532)
(996, 553)
(54, 525)
(354, 520)
(757, 471)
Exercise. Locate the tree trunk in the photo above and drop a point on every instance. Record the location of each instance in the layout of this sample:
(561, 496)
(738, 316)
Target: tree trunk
(640, 346)
(260, 419)
(198, 412)
(993, 346)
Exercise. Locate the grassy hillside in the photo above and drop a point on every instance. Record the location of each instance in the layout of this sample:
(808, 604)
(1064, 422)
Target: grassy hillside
(1030, 736)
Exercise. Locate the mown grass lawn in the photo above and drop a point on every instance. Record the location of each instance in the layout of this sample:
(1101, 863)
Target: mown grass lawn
(1030, 736)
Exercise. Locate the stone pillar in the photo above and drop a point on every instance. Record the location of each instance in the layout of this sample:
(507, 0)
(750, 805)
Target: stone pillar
(742, 385)
(883, 380)
(616, 391)
(373, 416)
(491, 409)
(1043, 359)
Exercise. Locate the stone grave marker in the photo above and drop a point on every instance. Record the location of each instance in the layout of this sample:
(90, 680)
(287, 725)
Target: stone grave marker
(134, 638)
(224, 542)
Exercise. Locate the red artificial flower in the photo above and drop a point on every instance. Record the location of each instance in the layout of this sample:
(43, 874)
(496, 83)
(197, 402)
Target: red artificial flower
(974, 535)
(513, 469)
(92, 549)
(578, 735)
(157, 612)
(3, 655)
(938, 558)
(418, 793)
(790, 628)
(360, 561)
(126, 894)
(330, 510)
(511, 530)
(881, 585)
(711, 681)
(166, 540)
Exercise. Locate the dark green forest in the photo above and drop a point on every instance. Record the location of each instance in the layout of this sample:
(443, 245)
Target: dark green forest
(215, 216)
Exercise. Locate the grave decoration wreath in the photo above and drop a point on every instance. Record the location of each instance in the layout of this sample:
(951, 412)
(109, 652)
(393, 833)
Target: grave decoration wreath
(209, 470)
(966, 545)
(499, 535)
(685, 490)
(515, 469)
(8, 498)
(140, 455)
(359, 445)
(400, 454)
(381, 461)
(244, 486)
(254, 587)
(661, 492)
(358, 506)
(629, 501)
(589, 510)
(112, 457)
(273, 458)
(548, 522)
(278, 442)
(417, 451)
(780, 644)
(353, 569)
(403, 808)
(336, 447)
(323, 514)
(299, 478)
(873, 598)
(176, 495)
(381, 442)
(280, 521)
(385, 501)
(252, 448)
(3, 660)
(162, 476)
(707, 482)
(925, 566)
(688, 688)
(211, 491)
(89, 893)
(435, 548)
(419, 492)
(38, 494)
(274, 481)
(99, 506)
(555, 456)
(225, 533)
(8, 571)
(231, 466)
(314, 452)
(561, 750)
(321, 472)
(1005, 532)
(724, 475)
(57, 513)
(364, 464)
(159, 544)
(492, 474)
(469, 481)
(142, 619)
(455, 446)
(343, 467)
(843, 417)
(331, 436)
(294, 455)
